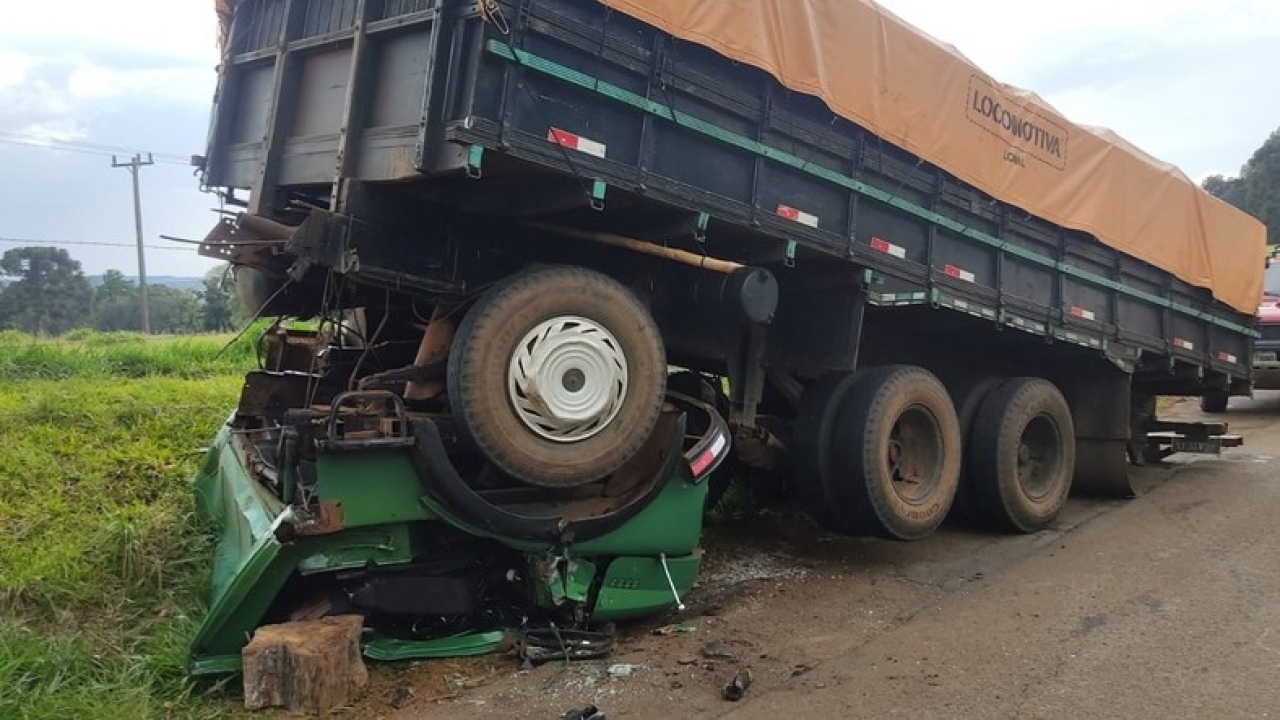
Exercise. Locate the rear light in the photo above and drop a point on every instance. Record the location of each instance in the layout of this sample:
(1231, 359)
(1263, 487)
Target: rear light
(709, 458)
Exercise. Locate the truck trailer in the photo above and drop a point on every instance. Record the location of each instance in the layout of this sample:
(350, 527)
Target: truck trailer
(568, 266)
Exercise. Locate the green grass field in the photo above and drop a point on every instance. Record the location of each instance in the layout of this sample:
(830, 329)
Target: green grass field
(102, 563)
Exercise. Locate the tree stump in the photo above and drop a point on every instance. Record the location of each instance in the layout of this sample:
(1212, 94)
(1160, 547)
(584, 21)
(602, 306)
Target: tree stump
(309, 665)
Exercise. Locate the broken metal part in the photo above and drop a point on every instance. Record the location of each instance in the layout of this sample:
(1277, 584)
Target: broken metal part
(433, 371)
(245, 240)
(736, 688)
(538, 645)
(433, 350)
(325, 520)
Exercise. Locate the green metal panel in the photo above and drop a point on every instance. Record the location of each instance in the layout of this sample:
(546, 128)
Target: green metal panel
(637, 586)
(389, 649)
(244, 510)
(374, 488)
(356, 548)
(672, 524)
(251, 566)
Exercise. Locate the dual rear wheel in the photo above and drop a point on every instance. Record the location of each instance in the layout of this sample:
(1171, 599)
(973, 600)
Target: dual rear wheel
(880, 453)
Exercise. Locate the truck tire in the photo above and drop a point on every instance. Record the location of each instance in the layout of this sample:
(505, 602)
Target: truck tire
(558, 375)
(896, 453)
(811, 446)
(1021, 457)
(968, 397)
(1215, 403)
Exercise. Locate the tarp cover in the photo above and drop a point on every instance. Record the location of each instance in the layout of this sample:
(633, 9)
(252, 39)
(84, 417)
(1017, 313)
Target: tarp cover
(876, 70)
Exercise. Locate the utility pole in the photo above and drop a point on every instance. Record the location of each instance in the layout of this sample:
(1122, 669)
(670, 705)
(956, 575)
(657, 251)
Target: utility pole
(134, 164)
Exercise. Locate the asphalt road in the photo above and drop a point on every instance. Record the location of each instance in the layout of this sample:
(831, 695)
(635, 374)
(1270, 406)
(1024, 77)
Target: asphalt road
(1166, 606)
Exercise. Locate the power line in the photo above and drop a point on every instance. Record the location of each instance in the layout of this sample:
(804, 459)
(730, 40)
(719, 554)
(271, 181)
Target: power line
(45, 141)
(85, 243)
(84, 144)
(85, 148)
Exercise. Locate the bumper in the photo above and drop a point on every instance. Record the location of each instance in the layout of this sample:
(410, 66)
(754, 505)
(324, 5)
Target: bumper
(1266, 366)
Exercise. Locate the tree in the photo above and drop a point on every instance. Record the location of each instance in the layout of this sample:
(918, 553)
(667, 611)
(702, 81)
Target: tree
(49, 293)
(1257, 190)
(218, 298)
(1230, 190)
(115, 303)
(173, 311)
(1261, 178)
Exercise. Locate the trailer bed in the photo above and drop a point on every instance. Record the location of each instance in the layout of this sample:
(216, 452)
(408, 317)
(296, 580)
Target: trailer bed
(555, 106)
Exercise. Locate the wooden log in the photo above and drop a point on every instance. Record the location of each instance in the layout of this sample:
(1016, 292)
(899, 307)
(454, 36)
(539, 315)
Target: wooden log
(308, 665)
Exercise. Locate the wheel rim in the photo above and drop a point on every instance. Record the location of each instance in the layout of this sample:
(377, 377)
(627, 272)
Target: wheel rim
(567, 378)
(1039, 456)
(915, 454)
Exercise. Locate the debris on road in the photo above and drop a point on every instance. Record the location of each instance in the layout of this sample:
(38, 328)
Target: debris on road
(622, 670)
(590, 712)
(736, 688)
(674, 629)
(716, 650)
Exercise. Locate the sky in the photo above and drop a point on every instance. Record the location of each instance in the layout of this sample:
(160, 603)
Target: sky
(1190, 82)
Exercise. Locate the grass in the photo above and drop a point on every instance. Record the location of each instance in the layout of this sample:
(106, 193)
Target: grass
(84, 353)
(102, 563)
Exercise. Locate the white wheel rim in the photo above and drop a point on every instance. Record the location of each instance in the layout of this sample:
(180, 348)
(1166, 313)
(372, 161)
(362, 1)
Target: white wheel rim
(567, 378)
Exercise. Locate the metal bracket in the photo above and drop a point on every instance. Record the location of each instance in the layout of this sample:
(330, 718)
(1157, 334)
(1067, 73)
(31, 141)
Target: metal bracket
(700, 234)
(475, 156)
(598, 188)
(387, 408)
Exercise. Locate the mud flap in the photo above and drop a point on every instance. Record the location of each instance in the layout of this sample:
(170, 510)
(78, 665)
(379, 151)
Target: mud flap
(1102, 469)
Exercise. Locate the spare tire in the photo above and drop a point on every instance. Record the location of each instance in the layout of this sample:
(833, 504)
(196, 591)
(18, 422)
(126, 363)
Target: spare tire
(558, 375)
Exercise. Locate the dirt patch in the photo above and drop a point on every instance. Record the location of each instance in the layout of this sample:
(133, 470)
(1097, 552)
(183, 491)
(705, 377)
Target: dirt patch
(776, 607)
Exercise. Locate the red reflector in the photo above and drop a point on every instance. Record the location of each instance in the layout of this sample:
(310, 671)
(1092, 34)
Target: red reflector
(703, 461)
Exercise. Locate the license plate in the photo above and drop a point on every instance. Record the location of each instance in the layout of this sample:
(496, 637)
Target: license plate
(1204, 447)
(1264, 357)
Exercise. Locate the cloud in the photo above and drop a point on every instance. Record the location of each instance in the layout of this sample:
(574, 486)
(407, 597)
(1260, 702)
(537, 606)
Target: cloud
(133, 74)
(59, 70)
(13, 68)
(58, 97)
(179, 29)
(38, 106)
(89, 82)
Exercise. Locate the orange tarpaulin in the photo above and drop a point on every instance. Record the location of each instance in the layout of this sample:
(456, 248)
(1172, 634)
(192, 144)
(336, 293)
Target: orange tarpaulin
(874, 69)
